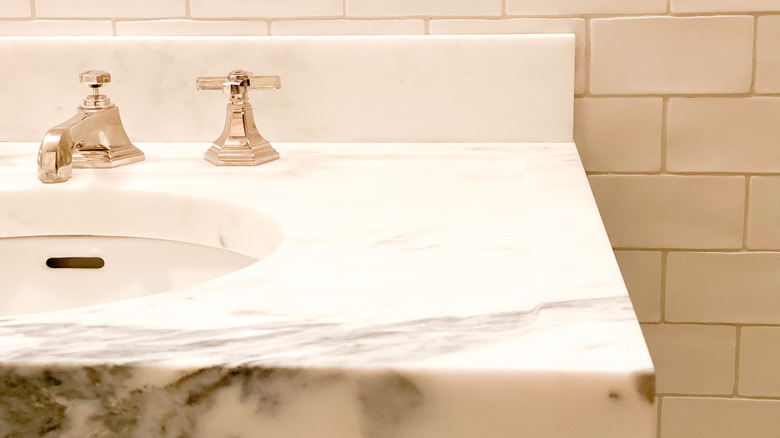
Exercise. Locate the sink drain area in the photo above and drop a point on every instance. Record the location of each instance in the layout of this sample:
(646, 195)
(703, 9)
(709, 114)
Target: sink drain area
(75, 262)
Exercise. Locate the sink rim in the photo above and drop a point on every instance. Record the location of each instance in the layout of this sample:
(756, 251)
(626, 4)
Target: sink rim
(139, 214)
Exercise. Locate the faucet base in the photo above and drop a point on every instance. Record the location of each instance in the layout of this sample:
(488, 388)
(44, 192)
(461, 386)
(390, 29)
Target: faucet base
(241, 155)
(240, 143)
(99, 158)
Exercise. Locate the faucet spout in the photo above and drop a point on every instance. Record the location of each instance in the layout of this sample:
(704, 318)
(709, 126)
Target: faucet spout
(93, 138)
(55, 156)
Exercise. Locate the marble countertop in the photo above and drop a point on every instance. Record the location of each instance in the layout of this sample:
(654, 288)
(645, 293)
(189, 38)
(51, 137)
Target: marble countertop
(420, 290)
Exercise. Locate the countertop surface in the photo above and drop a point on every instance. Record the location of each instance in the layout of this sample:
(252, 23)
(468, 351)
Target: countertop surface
(422, 259)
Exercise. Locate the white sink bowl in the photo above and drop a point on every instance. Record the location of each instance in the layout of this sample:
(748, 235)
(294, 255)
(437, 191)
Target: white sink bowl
(62, 249)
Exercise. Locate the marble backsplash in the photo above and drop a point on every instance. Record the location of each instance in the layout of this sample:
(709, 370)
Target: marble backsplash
(352, 89)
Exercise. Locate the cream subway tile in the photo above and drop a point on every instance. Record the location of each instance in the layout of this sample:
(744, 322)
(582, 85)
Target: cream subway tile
(383, 8)
(723, 134)
(110, 8)
(759, 361)
(694, 55)
(348, 27)
(523, 25)
(189, 27)
(688, 6)
(565, 7)
(692, 359)
(15, 8)
(768, 54)
(621, 134)
(669, 211)
(699, 417)
(265, 8)
(642, 273)
(710, 287)
(764, 213)
(56, 28)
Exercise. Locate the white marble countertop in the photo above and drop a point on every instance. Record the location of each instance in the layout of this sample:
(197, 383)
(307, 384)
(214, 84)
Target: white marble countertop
(478, 269)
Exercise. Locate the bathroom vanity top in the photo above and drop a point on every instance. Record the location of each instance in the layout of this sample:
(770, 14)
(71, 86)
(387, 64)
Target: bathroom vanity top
(420, 290)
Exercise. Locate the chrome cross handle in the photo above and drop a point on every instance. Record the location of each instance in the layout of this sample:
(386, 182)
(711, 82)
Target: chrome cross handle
(238, 82)
(240, 143)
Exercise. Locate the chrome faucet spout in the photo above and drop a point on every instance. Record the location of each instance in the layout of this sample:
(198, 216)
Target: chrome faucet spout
(55, 156)
(93, 138)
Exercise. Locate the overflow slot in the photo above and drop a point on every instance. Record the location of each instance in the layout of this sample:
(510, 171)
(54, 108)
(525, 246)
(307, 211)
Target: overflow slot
(75, 262)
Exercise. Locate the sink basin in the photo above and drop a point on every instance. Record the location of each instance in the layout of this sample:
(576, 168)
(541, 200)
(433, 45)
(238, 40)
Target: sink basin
(62, 249)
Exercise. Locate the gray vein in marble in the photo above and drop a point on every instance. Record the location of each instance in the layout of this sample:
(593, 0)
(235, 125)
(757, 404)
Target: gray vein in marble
(294, 342)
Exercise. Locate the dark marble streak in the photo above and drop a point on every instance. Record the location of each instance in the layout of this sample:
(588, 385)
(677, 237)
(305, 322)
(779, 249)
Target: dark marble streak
(35, 402)
(40, 402)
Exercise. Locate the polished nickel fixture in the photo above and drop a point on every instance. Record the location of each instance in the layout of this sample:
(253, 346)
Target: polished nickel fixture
(93, 138)
(240, 143)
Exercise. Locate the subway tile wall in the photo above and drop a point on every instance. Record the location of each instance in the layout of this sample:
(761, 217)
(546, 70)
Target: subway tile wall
(676, 120)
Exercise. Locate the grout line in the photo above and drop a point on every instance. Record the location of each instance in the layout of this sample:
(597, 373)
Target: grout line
(664, 14)
(678, 173)
(718, 14)
(33, 11)
(747, 209)
(721, 396)
(668, 7)
(620, 173)
(689, 95)
(703, 250)
(427, 26)
(755, 56)
(251, 20)
(710, 324)
(188, 14)
(75, 19)
(113, 27)
(587, 65)
(664, 134)
(658, 416)
(201, 18)
(700, 396)
(504, 12)
(268, 24)
(478, 17)
(700, 250)
(738, 346)
(628, 15)
(662, 286)
(99, 18)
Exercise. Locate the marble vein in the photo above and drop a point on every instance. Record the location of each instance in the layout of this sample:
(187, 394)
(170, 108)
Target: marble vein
(291, 342)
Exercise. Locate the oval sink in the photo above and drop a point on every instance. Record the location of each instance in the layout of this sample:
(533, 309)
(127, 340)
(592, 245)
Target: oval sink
(62, 249)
